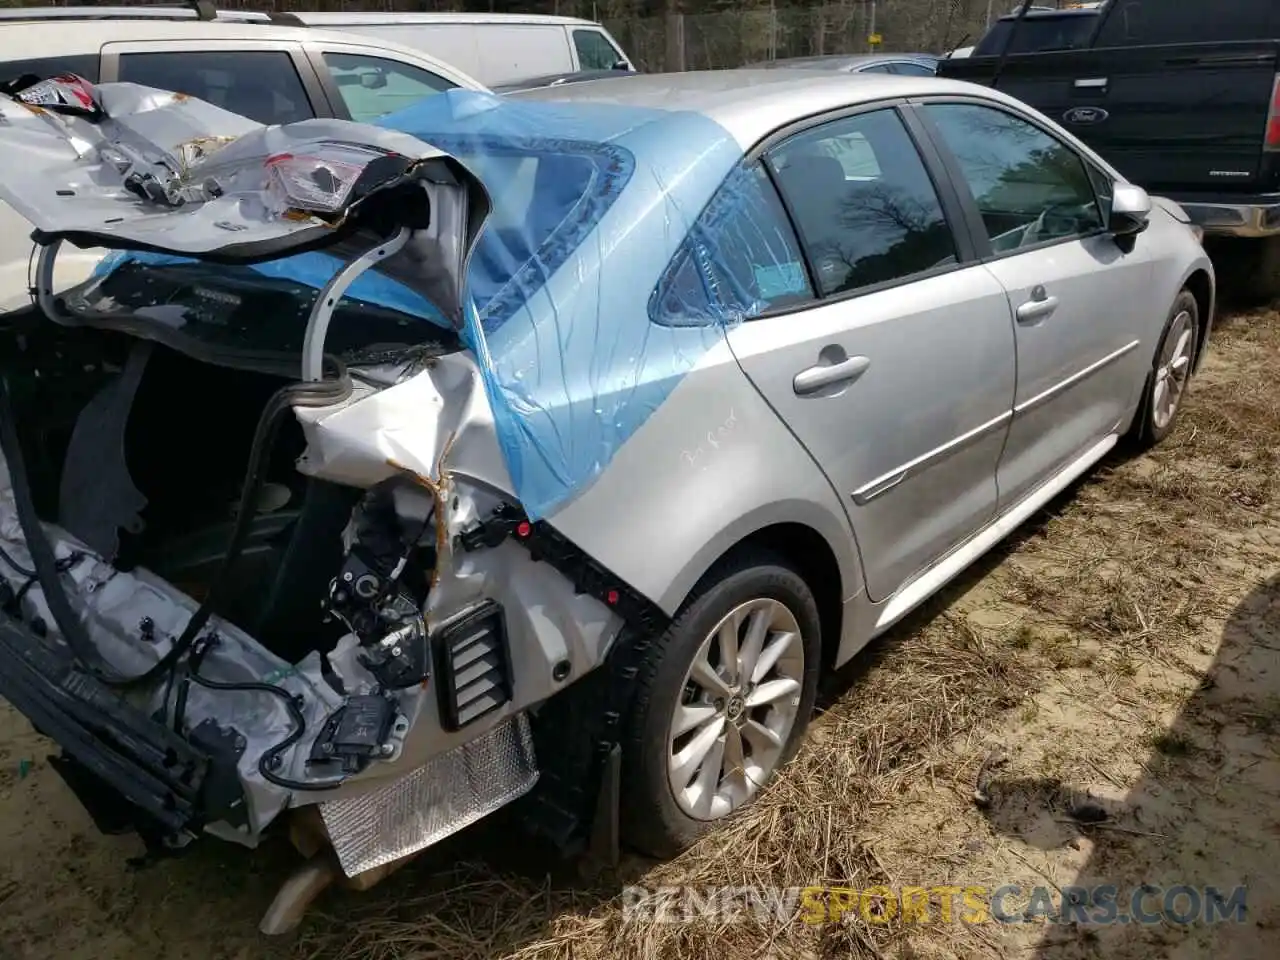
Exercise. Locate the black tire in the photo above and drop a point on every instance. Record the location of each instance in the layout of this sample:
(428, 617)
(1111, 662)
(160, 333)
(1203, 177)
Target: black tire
(1145, 433)
(651, 820)
(1248, 269)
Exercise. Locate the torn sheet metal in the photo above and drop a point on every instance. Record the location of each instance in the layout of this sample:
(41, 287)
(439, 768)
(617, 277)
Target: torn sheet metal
(439, 798)
(161, 172)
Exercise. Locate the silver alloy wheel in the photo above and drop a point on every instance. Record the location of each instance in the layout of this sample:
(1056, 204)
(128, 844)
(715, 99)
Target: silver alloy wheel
(738, 704)
(1173, 370)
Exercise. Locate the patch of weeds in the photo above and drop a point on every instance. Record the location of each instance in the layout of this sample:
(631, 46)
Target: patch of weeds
(1123, 665)
(1170, 743)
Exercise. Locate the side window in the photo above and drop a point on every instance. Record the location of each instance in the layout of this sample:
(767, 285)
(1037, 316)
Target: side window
(595, 52)
(372, 87)
(1030, 188)
(741, 258)
(915, 69)
(1150, 22)
(259, 84)
(83, 66)
(863, 202)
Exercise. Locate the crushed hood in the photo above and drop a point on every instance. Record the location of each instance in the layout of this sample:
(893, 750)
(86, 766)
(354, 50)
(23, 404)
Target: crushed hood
(126, 167)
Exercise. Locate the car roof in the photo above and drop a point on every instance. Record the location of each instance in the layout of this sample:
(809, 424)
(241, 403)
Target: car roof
(347, 18)
(751, 104)
(1066, 12)
(354, 17)
(849, 59)
(37, 39)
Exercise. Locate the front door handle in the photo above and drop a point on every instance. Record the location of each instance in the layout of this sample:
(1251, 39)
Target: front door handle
(1091, 83)
(825, 375)
(1038, 307)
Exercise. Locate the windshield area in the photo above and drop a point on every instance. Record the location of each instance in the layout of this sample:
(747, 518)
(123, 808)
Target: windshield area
(1039, 33)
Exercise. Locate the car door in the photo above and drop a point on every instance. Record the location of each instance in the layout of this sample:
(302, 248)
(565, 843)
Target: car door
(269, 81)
(898, 376)
(1077, 297)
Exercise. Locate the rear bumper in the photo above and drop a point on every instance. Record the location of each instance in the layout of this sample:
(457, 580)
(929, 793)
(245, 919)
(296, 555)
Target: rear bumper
(1257, 216)
(125, 767)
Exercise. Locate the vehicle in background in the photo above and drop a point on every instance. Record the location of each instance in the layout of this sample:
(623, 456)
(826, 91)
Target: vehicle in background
(1039, 30)
(245, 63)
(1184, 101)
(495, 48)
(556, 79)
(906, 64)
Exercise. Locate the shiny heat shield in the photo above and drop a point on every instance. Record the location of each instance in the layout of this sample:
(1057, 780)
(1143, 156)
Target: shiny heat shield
(441, 797)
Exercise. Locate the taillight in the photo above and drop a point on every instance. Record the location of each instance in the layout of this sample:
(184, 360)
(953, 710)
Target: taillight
(1272, 144)
(318, 178)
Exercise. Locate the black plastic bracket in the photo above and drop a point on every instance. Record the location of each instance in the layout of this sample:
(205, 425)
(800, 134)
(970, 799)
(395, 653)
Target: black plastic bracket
(547, 544)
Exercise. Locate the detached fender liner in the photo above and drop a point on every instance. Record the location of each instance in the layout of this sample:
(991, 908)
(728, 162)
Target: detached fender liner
(156, 771)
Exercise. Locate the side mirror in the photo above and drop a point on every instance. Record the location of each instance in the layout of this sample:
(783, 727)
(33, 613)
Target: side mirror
(373, 80)
(622, 65)
(1130, 210)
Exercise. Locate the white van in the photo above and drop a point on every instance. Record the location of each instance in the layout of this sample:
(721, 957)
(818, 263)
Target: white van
(495, 48)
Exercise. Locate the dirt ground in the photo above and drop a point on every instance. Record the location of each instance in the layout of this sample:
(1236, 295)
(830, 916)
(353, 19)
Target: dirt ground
(1118, 659)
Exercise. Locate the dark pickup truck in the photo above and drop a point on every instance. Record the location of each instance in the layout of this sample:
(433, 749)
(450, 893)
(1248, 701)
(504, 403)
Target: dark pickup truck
(1182, 96)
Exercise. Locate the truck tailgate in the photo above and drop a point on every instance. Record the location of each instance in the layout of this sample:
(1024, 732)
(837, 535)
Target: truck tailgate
(1171, 118)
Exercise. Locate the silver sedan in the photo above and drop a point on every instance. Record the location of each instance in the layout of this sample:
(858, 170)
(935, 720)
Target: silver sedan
(628, 407)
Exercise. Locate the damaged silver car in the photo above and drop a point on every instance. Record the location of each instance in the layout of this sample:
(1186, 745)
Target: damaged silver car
(547, 445)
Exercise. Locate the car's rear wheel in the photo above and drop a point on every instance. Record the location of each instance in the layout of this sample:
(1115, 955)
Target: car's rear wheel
(722, 703)
(1170, 376)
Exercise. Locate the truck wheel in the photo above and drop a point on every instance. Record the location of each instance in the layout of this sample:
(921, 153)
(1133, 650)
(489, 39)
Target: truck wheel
(1170, 376)
(721, 703)
(1248, 269)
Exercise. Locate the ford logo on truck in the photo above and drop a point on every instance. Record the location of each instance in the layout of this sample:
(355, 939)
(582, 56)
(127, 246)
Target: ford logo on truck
(1085, 115)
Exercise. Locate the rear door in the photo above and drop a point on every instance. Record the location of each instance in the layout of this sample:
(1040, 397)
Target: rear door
(266, 81)
(1175, 95)
(898, 377)
(1184, 91)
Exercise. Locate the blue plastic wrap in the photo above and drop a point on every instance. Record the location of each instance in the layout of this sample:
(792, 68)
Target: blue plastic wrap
(562, 276)
(590, 292)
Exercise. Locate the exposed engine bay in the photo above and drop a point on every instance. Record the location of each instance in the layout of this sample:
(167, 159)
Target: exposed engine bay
(242, 590)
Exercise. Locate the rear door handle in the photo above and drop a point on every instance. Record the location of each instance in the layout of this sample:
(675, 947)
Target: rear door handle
(1038, 307)
(1091, 83)
(825, 375)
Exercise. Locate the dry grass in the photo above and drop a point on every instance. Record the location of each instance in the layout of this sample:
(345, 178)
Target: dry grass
(1103, 648)
(1113, 582)
(813, 827)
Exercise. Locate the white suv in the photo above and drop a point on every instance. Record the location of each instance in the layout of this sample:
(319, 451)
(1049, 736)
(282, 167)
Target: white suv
(247, 64)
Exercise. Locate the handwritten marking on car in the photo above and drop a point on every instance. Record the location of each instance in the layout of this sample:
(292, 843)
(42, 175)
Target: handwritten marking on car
(715, 437)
